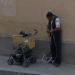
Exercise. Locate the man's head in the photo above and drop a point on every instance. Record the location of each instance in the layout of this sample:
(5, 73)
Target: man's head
(49, 15)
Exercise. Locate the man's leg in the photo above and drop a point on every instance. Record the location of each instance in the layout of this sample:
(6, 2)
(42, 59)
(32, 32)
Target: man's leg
(58, 48)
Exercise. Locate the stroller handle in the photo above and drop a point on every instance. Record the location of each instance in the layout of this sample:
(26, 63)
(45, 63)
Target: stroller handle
(35, 31)
(9, 36)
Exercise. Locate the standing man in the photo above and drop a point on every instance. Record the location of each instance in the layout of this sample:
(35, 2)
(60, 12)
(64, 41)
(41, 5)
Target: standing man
(54, 31)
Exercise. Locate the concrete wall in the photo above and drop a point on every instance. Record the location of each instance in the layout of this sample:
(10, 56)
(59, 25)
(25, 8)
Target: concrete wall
(31, 14)
(7, 7)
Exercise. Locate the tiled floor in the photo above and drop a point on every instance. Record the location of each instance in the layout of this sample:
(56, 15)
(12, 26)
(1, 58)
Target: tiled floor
(35, 69)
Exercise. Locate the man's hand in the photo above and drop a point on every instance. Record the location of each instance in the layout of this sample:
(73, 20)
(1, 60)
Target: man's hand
(48, 31)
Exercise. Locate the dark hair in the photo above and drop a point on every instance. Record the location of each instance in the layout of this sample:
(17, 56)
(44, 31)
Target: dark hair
(49, 14)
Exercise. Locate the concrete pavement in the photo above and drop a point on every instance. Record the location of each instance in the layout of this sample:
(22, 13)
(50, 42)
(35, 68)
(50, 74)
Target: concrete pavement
(36, 69)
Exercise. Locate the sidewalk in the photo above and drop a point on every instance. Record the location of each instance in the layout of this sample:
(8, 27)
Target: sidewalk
(36, 69)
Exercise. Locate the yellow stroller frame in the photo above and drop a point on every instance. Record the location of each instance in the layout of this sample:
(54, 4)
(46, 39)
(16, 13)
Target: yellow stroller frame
(28, 41)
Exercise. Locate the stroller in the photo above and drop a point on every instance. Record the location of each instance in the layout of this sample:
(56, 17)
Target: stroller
(24, 43)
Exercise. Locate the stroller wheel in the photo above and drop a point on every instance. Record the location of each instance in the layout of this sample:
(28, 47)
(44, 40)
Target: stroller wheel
(33, 60)
(10, 61)
(26, 63)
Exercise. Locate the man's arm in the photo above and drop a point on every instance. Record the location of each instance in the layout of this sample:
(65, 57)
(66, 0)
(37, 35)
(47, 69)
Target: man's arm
(48, 28)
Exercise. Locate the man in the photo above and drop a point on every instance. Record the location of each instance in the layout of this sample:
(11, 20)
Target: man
(54, 31)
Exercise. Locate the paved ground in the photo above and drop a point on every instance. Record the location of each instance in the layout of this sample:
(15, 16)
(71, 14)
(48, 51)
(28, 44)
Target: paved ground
(38, 68)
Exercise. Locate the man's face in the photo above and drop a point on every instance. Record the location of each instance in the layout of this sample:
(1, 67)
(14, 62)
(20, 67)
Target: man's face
(49, 18)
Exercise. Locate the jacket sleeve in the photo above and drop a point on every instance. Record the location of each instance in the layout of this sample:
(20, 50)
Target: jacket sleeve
(49, 26)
